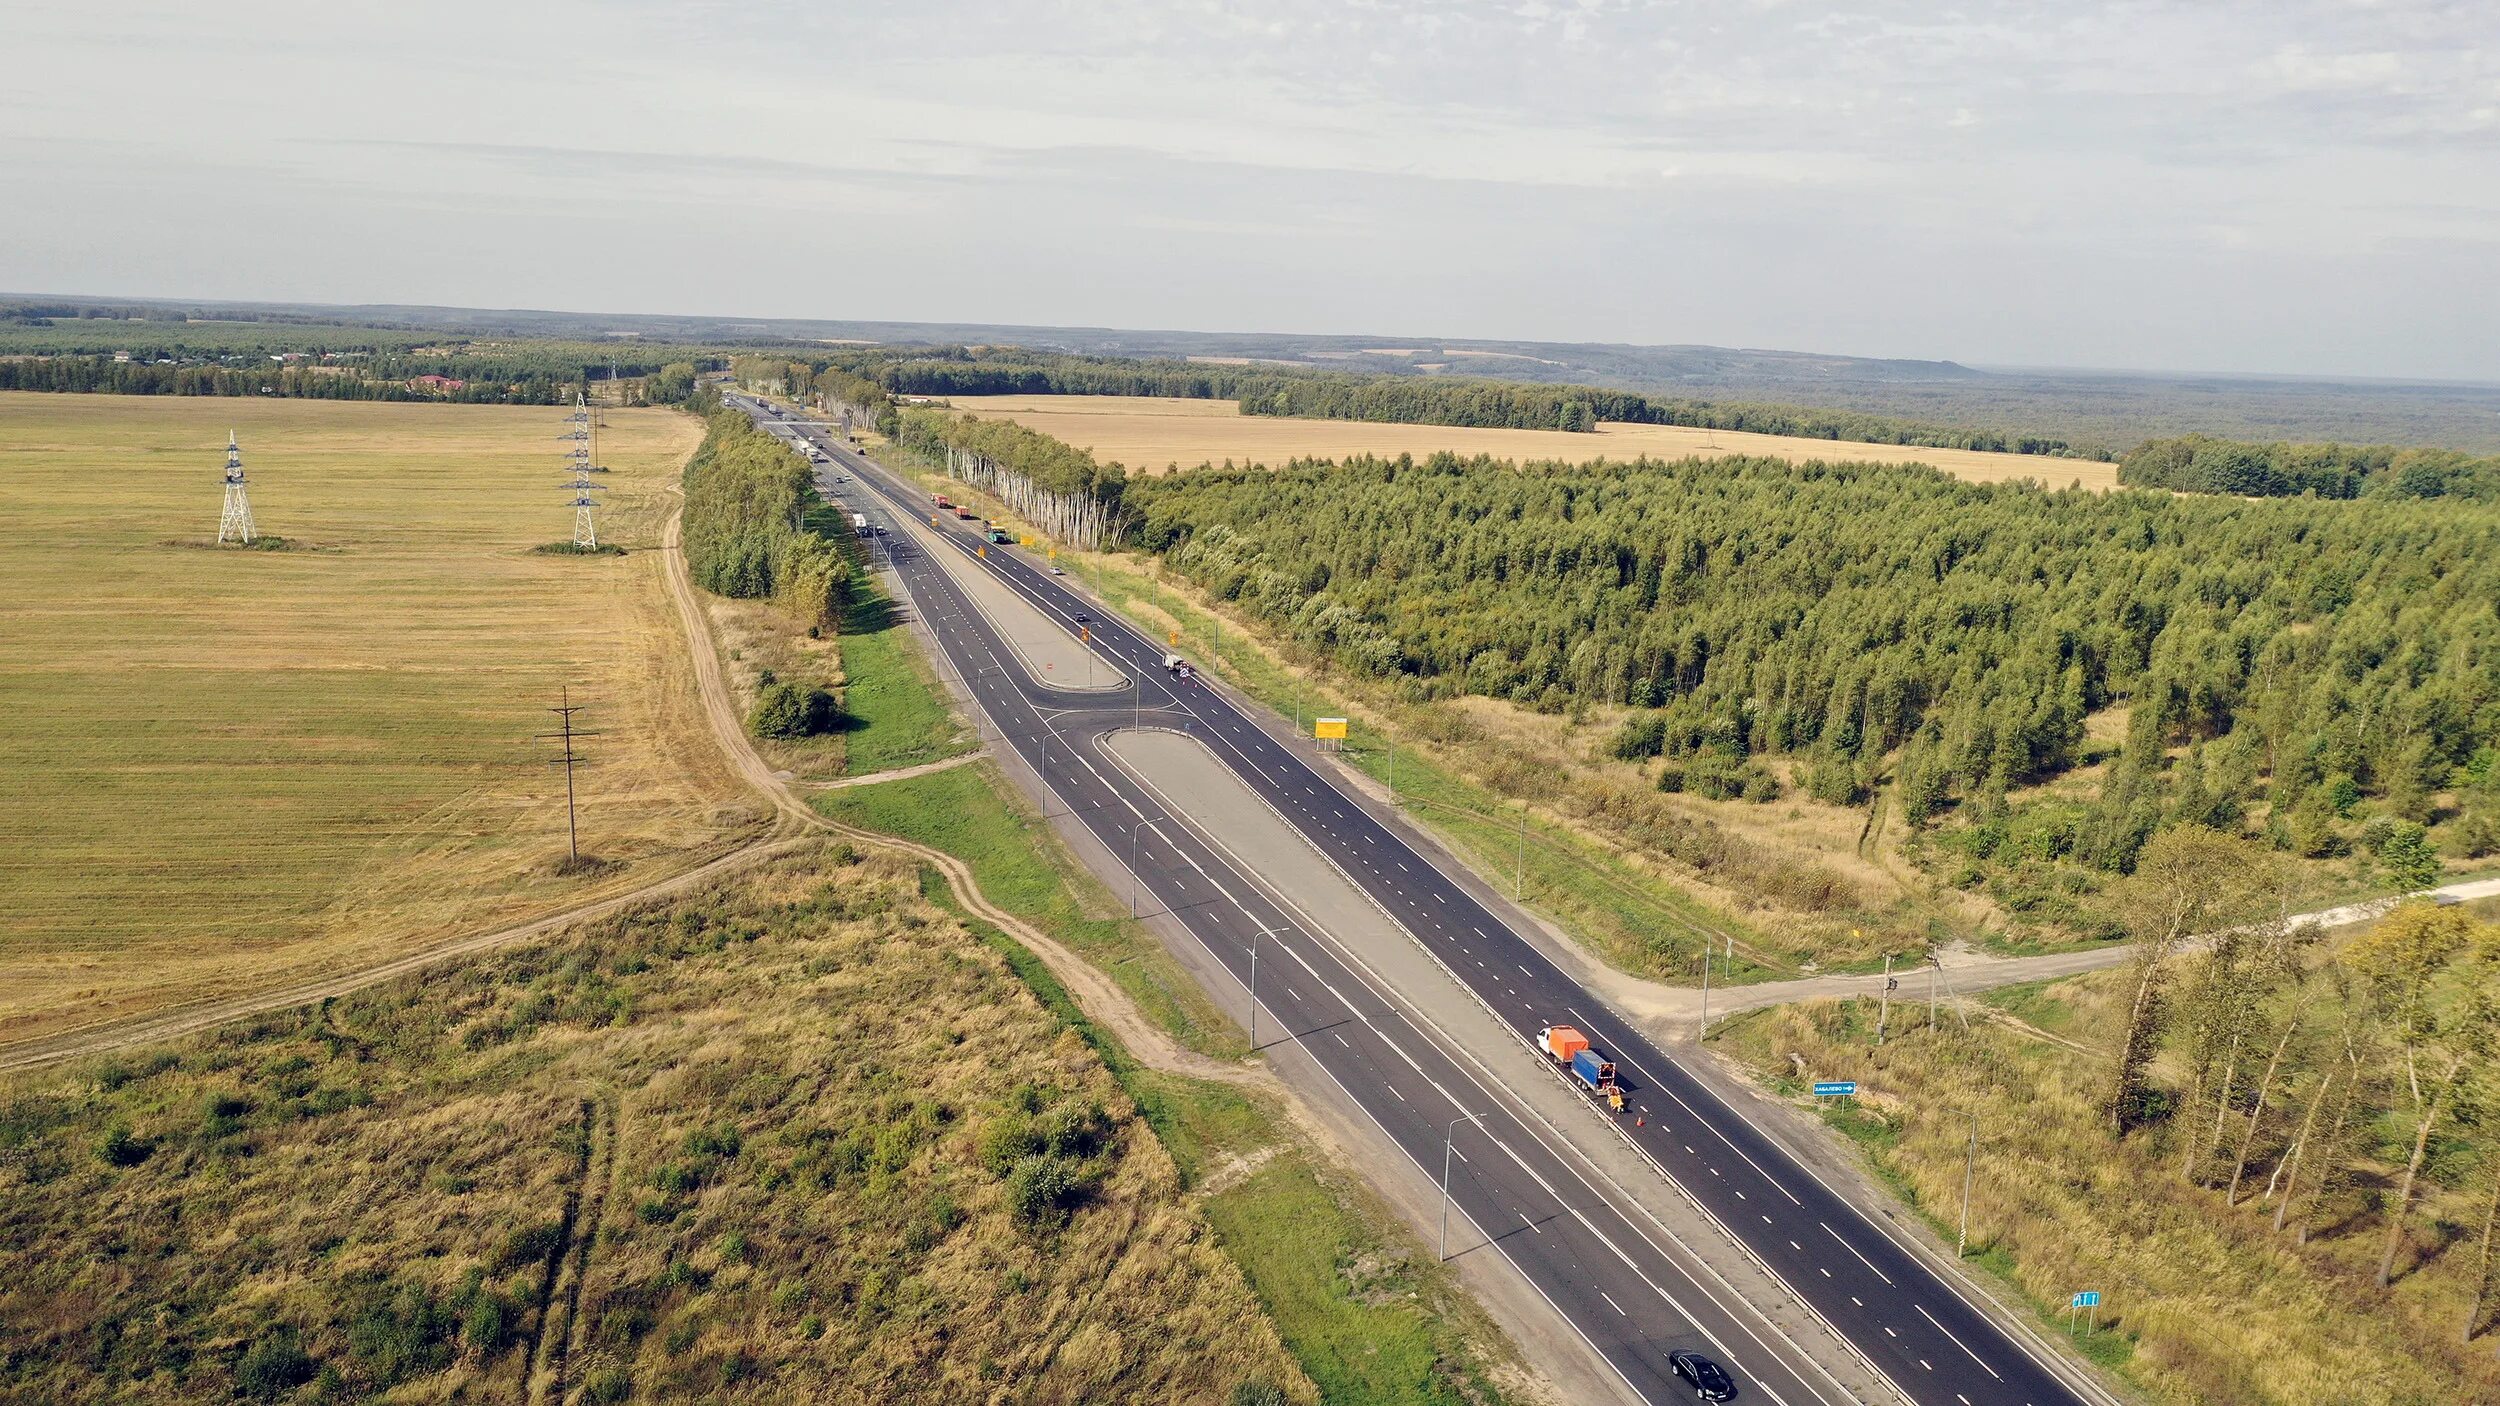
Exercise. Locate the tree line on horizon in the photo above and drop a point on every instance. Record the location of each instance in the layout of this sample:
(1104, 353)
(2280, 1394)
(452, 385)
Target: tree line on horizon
(1310, 392)
(2204, 464)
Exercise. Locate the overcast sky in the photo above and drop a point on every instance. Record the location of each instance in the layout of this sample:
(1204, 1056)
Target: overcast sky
(2293, 186)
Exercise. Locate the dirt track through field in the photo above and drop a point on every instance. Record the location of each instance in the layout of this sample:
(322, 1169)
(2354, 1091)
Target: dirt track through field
(1102, 1001)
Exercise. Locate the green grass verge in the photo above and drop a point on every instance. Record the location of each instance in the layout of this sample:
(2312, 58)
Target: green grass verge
(1369, 1316)
(898, 718)
(970, 813)
(1372, 1322)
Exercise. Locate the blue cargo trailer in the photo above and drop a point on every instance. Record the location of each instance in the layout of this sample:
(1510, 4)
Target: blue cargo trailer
(1598, 1074)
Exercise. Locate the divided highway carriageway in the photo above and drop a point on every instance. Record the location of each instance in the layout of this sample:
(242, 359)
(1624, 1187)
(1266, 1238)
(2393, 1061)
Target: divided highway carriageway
(1519, 1191)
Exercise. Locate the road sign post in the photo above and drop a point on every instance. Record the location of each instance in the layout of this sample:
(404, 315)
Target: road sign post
(2082, 1303)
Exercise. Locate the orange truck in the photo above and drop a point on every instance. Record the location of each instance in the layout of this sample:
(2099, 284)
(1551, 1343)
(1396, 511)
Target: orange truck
(1571, 1049)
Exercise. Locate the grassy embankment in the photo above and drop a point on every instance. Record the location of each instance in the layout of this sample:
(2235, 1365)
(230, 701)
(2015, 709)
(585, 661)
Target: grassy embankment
(1460, 769)
(2202, 1304)
(798, 1135)
(1368, 1318)
(893, 716)
(229, 768)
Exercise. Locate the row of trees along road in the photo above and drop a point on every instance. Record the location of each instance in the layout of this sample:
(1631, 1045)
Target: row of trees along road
(2309, 1082)
(745, 527)
(1057, 488)
(2284, 666)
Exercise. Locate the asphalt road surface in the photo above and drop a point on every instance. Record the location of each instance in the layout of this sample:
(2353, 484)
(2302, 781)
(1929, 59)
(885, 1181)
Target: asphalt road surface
(1510, 1189)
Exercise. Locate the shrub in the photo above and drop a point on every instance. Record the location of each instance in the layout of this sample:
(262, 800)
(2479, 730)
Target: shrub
(1042, 1190)
(530, 1244)
(1641, 737)
(223, 1114)
(487, 1327)
(273, 1365)
(120, 1149)
(790, 710)
(1005, 1141)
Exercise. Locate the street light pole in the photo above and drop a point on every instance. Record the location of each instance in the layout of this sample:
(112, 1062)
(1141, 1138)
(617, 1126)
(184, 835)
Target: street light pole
(1705, 992)
(1519, 874)
(1883, 1002)
(1446, 1135)
(1970, 1168)
(1254, 987)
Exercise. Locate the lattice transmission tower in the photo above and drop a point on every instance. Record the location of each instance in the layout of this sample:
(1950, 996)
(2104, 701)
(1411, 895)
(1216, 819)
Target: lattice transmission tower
(585, 529)
(236, 524)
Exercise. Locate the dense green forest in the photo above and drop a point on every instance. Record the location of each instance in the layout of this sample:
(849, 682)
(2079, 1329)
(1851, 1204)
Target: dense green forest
(747, 496)
(123, 356)
(2319, 662)
(2201, 464)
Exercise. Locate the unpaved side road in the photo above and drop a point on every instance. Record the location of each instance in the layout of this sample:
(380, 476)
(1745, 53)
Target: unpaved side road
(1094, 993)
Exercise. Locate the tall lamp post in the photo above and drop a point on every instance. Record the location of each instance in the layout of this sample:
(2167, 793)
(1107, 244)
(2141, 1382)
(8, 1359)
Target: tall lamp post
(1264, 931)
(1447, 1134)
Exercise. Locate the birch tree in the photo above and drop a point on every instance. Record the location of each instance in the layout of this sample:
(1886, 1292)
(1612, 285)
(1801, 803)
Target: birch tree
(2429, 971)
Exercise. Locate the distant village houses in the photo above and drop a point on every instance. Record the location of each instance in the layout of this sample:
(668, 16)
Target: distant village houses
(431, 382)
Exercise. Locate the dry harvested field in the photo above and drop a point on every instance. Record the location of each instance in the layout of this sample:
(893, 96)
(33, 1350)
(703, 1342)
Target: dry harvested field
(231, 767)
(1152, 433)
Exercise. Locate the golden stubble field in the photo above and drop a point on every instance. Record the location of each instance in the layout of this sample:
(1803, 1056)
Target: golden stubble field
(1152, 434)
(227, 768)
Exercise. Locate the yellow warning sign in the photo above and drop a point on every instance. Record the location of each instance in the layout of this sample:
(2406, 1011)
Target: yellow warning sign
(1171, 637)
(1328, 729)
(981, 551)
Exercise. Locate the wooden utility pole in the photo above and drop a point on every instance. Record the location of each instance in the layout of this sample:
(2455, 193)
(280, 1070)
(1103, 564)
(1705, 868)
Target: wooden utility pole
(568, 759)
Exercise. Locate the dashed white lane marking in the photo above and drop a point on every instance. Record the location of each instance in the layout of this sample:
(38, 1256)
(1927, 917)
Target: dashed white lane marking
(1870, 1264)
(1610, 1303)
(1532, 1225)
(1957, 1342)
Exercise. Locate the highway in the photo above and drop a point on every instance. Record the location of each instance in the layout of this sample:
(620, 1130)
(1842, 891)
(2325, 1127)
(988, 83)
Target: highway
(1517, 1187)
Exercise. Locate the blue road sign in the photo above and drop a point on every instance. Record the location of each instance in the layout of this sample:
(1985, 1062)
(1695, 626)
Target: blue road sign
(2089, 1298)
(1835, 1088)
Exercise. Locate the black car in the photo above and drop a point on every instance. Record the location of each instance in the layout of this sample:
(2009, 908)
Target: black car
(1082, 618)
(1709, 1380)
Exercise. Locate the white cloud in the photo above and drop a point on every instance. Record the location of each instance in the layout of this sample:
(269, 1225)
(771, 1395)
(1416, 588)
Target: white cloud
(2015, 180)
